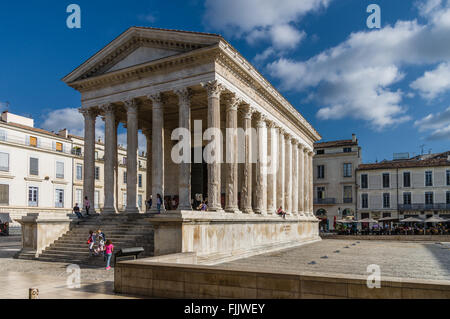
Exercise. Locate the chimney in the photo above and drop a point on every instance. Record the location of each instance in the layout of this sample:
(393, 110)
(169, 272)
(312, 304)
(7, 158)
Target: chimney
(354, 138)
(63, 133)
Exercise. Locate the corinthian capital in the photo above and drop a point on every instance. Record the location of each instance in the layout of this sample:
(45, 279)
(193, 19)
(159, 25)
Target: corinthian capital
(184, 95)
(248, 111)
(107, 108)
(131, 106)
(157, 99)
(232, 102)
(88, 111)
(213, 88)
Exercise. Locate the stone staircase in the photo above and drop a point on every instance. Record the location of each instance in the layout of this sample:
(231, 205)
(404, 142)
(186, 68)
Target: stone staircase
(123, 230)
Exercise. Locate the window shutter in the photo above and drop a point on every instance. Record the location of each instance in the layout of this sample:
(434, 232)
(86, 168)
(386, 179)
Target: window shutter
(4, 162)
(34, 166)
(4, 194)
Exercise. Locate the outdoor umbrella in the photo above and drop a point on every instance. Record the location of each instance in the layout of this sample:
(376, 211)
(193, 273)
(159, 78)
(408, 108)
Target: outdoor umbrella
(386, 219)
(367, 220)
(344, 221)
(435, 219)
(412, 220)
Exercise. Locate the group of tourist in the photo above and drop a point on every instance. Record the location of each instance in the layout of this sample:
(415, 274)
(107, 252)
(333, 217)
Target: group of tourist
(99, 246)
(86, 205)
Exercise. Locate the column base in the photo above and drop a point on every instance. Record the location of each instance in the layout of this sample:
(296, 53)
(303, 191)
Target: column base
(131, 210)
(155, 210)
(271, 211)
(233, 210)
(184, 208)
(247, 211)
(109, 211)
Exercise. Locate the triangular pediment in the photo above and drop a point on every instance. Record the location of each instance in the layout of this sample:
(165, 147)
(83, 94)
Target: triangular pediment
(137, 46)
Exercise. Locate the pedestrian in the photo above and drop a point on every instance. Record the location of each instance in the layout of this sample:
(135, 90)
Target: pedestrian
(109, 248)
(87, 205)
(76, 210)
(149, 203)
(281, 212)
(159, 203)
(91, 242)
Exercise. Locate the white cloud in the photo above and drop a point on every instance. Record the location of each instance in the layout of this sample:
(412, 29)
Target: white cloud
(261, 20)
(434, 82)
(355, 78)
(438, 124)
(150, 18)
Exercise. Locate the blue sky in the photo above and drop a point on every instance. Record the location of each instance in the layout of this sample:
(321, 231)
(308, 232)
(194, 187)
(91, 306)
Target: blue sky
(389, 86)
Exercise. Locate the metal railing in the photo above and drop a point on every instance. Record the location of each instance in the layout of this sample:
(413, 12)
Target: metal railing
(325, 201)
(41, 144)
(437, 206)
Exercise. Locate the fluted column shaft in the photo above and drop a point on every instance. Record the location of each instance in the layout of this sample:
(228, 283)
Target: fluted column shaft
(214, 90)
(231, 182)
(281, 170)
(294, 177)
(311, 186)
(132, 145)
(110, 158)
(272, 173)
(261, 168)
(301, 177)
(184, 182)
(157, 152)
(246, 199)
(288, 175)
(306, 182)
(89, 156)
(148, 189)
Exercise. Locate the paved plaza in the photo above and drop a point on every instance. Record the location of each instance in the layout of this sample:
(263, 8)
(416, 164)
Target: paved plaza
(423, 260)
(17, 276)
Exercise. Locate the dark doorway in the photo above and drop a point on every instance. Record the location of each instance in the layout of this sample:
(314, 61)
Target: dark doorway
(199, 179)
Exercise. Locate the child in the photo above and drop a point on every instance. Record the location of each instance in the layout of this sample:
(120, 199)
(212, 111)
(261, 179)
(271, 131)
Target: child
(91, 242)
(101, 247)
(109, 248)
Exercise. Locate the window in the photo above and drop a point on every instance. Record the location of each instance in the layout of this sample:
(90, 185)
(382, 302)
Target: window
(59, 198)
(386, 182)
(386, 200)
(33, 141)
(347, 149)
(3, 136)
(347, 169)
(448, 198)
(428, 178)
(34, 166)
(96, 199)
(79, 197)
(59, 169)
(4, 194)
(140, 180)
(364, 181)
(96, 155)
(448, 177)
(4, 162)
(320, 192)
(124, 177)
(79, 172)
(97, 172)
(348, 194)
(406, 198)
(364, 200)
(320, 171)
(318, 152)
(76, 151)
(365, 215)
(124, 200)
(59, 147)
(385, 215)
(406, 179)
(33, 196)
(140, 201)
(429, 198)
(124, 160)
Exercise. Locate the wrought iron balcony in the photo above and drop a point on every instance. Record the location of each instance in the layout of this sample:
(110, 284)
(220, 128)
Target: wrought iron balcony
(348, 200)
(419, 207)
(325, 201)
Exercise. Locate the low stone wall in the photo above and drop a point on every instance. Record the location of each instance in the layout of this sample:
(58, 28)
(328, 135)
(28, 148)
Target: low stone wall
(229, 234)
(166, 280)
(434, 238)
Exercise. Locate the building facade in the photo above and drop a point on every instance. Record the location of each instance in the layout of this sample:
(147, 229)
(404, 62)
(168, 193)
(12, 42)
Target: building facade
(35, 170)
(335, 164)
(42, 171)
(417, 187)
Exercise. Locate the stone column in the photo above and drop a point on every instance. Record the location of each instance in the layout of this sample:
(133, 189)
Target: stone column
(306, 182)
(301, 177)
(110, 158)
(294, 177)
(148, 185)
(89, 155)
(261, 167)
(311, 186)
(281, 170)
(132, 145)
(214, 89)
(231, 182)
(272, 168)
(157, 151)
(116, 167)
(246, 198)
(184, 181)
(288, 175)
